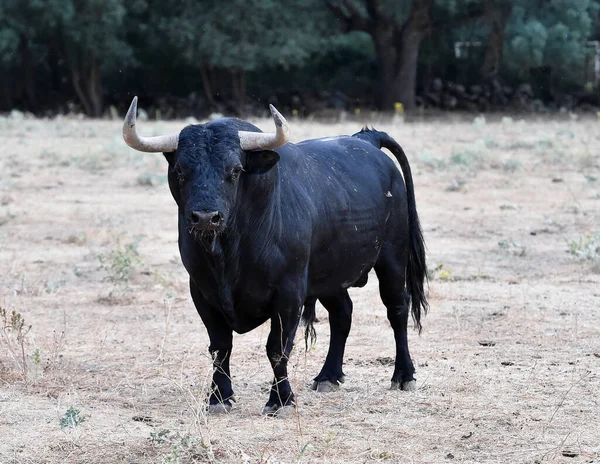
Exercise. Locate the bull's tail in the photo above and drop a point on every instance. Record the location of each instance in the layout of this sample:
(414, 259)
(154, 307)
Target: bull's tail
(416, 271)
(309, 317)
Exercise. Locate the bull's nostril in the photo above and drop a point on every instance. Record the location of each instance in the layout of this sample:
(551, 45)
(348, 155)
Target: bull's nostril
(216, 219)
(194, 217)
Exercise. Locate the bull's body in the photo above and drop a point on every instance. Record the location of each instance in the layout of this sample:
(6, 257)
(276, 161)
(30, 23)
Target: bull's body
(311, 227)
(264, 231)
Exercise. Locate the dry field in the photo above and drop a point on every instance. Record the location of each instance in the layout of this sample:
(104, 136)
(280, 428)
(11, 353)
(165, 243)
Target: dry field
(111, 364)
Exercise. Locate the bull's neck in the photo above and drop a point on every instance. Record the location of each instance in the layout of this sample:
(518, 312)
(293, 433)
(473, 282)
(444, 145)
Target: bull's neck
(253, 227)
(256, 216)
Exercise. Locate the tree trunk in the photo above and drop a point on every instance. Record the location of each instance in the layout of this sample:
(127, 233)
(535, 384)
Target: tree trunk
(397, 50)
(496, 14)
(28, 75)
(94, 85)
(242, 81)
(87, 82)
(238, 90)
(208, 88)
(405, 84)
(6, 93)
(76, 79)
(387, 58)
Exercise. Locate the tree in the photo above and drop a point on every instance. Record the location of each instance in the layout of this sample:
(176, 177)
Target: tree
(550, 37)
(248, 35)
(44, 42)
(397, 32)
(397, 41)
(20, 22)
(90, 39)
(496, 14)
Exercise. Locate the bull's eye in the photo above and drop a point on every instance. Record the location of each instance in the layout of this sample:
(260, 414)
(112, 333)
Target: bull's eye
(235, 172)
(179, 174)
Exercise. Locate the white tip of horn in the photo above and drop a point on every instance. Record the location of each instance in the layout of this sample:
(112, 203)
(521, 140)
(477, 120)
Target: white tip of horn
(277, 116)
(131, 113)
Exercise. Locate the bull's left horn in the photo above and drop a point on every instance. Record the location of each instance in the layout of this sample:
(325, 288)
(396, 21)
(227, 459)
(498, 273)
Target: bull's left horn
(267, 141)
(161, 143)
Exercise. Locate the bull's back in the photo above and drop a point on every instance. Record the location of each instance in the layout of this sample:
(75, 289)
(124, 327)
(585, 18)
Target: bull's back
(351, 188)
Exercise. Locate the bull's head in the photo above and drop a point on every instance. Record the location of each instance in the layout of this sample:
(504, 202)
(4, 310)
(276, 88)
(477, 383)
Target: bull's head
(206, 162)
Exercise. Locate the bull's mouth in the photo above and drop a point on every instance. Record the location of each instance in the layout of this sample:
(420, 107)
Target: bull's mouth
(204, 235)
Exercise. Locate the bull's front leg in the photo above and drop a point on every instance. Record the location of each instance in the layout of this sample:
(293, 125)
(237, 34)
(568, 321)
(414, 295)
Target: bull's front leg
(279, 346)
(221, 344)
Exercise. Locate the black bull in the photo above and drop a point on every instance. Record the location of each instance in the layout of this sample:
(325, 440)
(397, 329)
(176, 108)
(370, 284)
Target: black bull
(264, 232)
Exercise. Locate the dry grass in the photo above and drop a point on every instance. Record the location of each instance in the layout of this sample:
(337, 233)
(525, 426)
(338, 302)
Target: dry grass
(507, 366)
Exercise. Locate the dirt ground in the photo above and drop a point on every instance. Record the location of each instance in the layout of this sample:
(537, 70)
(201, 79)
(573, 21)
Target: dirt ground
(508, 364)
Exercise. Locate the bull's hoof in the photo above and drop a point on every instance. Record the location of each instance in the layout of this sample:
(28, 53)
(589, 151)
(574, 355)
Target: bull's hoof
(325, 386)
(281, 412)
(219, 408)
(411, 385)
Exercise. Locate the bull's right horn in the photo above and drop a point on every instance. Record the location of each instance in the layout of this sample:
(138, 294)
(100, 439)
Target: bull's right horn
(268, 141)
(161, 143)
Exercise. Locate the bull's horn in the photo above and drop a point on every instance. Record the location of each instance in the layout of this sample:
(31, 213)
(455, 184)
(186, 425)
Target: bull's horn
(267, 141)
(161, 143)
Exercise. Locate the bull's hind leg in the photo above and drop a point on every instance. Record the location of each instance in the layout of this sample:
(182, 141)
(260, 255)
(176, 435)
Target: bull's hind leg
(391, 273)
(340, 319)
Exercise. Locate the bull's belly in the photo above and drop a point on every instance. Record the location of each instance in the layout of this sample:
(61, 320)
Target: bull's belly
(341, 268)
(347, 247)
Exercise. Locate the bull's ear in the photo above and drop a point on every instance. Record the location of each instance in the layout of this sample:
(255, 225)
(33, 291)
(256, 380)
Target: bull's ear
(259, 162)
(170, 158)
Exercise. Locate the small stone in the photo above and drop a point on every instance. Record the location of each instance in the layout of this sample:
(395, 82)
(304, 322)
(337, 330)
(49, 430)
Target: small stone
(487, 343)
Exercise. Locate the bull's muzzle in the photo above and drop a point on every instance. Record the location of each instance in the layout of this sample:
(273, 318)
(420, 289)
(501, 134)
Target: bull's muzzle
(206, 220)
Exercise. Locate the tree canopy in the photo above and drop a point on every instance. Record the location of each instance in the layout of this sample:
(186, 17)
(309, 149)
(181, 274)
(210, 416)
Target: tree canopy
(197, 56)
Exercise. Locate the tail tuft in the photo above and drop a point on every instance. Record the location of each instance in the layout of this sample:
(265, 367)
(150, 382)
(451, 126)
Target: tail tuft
(309, 318)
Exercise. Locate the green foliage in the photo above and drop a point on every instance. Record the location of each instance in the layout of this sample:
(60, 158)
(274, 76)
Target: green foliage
(160, 437)
(512, 247)
(586, 248)
(553, 36)
(98, 52)
(182, 447)
(71, 418)
(36, 357)
(120, 263)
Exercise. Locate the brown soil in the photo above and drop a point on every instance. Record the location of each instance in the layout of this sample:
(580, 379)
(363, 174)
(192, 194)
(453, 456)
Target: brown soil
(508, 365)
